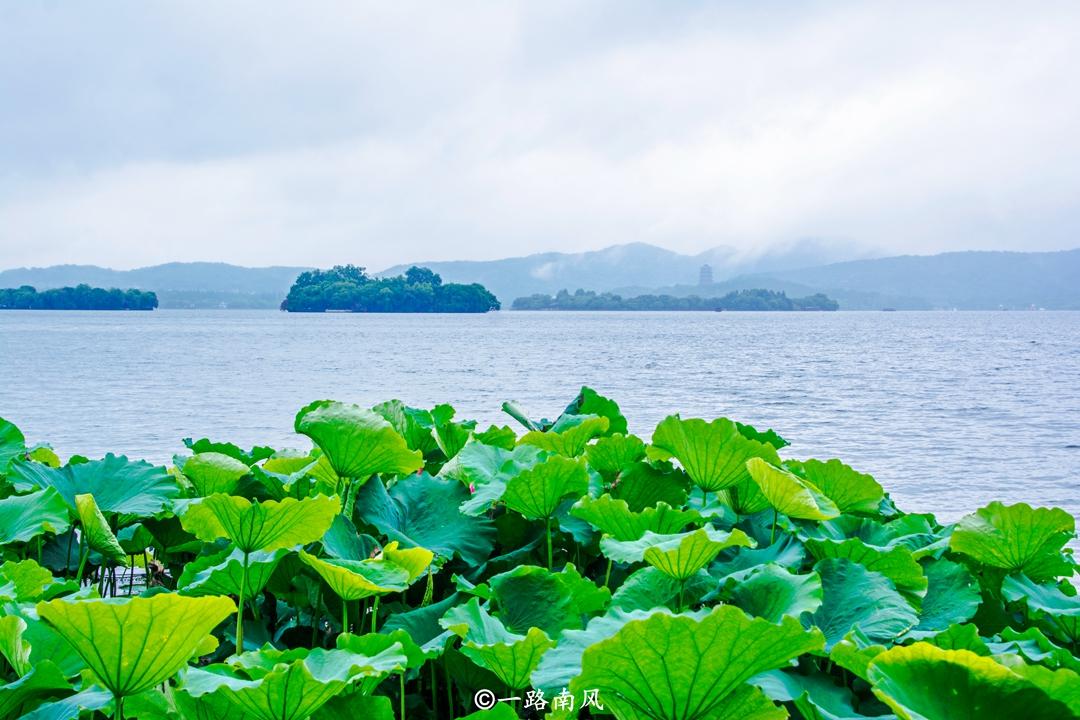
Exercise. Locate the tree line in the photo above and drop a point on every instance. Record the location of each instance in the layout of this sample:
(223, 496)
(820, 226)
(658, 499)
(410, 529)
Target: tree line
(419, 290)
(80, 297)
(755, 299)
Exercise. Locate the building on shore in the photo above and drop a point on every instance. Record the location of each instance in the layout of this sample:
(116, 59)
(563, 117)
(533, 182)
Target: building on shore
(705, 276)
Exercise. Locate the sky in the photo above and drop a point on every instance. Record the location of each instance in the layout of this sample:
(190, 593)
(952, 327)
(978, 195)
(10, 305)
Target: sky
(320, 132)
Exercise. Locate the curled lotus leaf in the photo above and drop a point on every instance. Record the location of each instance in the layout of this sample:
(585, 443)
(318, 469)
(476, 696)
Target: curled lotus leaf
(790, 494)
(714, 454)
(537, 492)
(119, 485)
(24, 517)
(569, 436)
(214, 472)
(613, 517)
(358, 443)
(850, 490)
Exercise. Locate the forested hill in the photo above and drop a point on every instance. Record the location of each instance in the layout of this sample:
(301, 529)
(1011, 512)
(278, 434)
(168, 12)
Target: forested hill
(347, 288)
(757, 299)
(80, 297)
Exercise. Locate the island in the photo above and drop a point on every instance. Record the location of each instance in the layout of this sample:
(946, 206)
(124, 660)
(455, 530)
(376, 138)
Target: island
(348, 288)
(756, 299)
(80, 297)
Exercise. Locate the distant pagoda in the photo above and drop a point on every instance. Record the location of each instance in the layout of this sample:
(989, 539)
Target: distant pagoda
(705, 276)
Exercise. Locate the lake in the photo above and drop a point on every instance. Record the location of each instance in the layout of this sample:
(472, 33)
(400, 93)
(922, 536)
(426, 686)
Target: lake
(948, 410)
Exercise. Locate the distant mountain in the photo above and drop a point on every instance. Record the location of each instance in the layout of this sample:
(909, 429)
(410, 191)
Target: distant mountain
(972, 280)
(197, 284)
(632, 264)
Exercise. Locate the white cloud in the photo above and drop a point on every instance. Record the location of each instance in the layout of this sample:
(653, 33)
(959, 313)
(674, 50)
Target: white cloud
(315, 134)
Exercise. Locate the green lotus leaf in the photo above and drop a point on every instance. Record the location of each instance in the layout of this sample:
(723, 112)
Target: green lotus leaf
(489, 644)
(25, 581)
(497, 436)
(1034, 647)
(745, 498)
(769, 437)
(854, 652)
(678, 666)
(287, 685)
(358, 443)
(132, 644)
(569, 436)
(95, 528)
(850, 491)
(562, 663)
(953, 597)
(643, 486)
(502, 711)
(485, 470)
(248, 457)
(13, 646)
(266, 525)
(373, 644)
(531, 596)
(854, 597)
(119, 485)
(590, 402)
(1017, 539)
(449, 435)
(44, 680)
(648, 587)
(134, 539)
(786, 552)
(413, 424)
(415, 561)
(771, 592)
(73, 706)
(537, 492)
(923, 681)
(790, 494)
(614, 517)
(714, 454)
(344, 542)
(421, 510)
(679, 555)
(27, 632)
(898, 564)
(214, 472)
(358, 579)
(422, 625)
(1056, 612)
(24, 517)
(610, 455)
(12, 444)
(223, 573)
(815, 696)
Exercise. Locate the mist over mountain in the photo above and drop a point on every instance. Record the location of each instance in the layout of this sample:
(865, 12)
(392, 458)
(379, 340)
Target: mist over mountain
(973, 280)
(632, 264)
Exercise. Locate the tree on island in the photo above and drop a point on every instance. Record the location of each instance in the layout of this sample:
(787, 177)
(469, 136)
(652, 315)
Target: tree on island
(80, 297)
(350, 288)
(756, 299)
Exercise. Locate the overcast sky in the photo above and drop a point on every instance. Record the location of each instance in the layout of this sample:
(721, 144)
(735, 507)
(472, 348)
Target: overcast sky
(315, 133)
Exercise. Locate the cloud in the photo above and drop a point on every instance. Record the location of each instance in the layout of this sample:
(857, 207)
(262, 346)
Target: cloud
(373, 133)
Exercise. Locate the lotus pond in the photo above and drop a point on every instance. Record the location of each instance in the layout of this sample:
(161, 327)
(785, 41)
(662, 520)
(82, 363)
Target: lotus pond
(415, 565)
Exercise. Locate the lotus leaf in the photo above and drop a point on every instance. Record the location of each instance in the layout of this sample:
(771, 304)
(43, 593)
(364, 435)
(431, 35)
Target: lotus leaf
(850, 491)
(266, 525)
(133, 644)
(790, 494)
(248, 457)
(223, 573)
(771, 592)
(952, 597)
(674, 554)
(714, 454)
(43, 681)
(530, 596)
(214, 472)
(643, 486)
(1016, 539)
(612, 454)
(854, 597)
(421, 510)
(678, 666)
(24, 517)
(898, 564)
(614, 517)
(485, 470)
(1056, 612)
(923, 681)
(358, 443)
(119, 485)
(287, 685)
(590, 402)
(569, 436)
(12, 444)
(99, 536)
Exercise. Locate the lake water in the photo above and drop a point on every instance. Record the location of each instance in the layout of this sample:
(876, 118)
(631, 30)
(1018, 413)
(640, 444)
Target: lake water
(947, 410)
